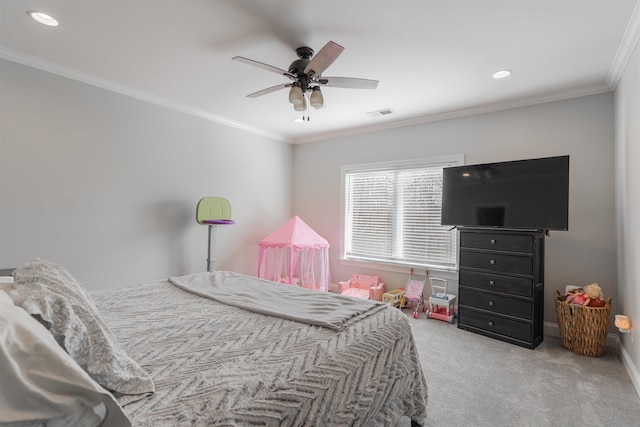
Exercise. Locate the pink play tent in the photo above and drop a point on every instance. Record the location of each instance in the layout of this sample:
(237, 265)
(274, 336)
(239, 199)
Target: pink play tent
(296, 255)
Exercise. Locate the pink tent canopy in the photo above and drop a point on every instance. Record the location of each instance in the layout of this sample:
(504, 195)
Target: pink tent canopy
(296, 255)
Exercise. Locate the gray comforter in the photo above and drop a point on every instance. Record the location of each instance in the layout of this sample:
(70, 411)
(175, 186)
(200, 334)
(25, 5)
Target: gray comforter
(218, 365)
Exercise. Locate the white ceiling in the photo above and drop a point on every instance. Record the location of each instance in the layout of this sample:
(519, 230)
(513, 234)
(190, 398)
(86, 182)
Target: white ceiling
(433, 58)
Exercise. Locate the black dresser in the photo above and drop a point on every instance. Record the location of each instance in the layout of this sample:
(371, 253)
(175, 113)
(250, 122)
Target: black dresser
(501, 289)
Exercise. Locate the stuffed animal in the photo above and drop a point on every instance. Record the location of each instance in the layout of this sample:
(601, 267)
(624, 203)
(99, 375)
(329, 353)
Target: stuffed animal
(593, 292)
(579, 298)
(571, 295)
(589, 296)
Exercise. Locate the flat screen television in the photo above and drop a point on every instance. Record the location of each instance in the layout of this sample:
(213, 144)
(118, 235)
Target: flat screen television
(521, 194)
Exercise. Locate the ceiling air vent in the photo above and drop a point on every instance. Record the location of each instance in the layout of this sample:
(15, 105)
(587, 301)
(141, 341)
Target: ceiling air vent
(379, 113)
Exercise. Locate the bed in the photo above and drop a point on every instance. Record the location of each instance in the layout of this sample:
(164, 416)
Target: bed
(238, 363)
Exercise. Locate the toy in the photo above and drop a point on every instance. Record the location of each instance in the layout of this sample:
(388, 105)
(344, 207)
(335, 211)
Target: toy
(414, 292)
(588, 296)
(395, 298)
(441, 303)
(295, 254)
(362, 286)
(594, 295)
(213, 212)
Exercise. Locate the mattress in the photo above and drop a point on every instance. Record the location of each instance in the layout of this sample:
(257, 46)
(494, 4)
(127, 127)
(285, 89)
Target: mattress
(216, 364)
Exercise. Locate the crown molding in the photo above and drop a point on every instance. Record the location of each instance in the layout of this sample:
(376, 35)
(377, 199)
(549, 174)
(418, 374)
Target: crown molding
(472, 111)
(626, 48)
(90, 79)
(41, 64)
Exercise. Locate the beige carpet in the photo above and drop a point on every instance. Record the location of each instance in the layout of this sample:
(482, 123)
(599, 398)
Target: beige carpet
(478, 381)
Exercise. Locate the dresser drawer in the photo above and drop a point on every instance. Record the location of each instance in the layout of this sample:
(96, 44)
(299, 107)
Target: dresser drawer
(497, 241)
(494, 282)
(496, 303)
(494, 323)
(517, 264)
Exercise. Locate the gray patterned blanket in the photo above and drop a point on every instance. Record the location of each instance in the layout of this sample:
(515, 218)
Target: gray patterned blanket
(218, 365)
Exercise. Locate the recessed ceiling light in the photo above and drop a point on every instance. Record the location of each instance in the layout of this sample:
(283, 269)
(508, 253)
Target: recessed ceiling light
(501, 74)
(43, 18)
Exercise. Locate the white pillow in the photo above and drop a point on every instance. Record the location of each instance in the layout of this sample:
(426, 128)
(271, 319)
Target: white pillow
(40, 384)
(50, 294)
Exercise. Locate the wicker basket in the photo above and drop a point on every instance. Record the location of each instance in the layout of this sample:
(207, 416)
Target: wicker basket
(583, 329)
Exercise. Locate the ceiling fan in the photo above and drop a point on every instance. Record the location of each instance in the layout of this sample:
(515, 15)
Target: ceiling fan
(305, 74)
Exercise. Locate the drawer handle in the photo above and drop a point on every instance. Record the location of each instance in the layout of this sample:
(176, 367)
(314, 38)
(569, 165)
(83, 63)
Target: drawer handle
(492, 261)
(493, 241)
(492, 282)
(491, 303)
(490, 323)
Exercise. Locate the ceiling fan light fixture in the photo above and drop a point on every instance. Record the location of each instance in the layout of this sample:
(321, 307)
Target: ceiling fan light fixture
(295, 94)
(302, 106)
(316, 99)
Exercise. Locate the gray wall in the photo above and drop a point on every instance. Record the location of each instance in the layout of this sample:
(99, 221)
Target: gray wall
(580, 127)
(627, 108)
(107, 185)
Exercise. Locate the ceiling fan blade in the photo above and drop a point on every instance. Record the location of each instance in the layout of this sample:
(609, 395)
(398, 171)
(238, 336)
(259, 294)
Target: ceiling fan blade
(267, 90)
(348, 82)
(264, 66)
(323, 58)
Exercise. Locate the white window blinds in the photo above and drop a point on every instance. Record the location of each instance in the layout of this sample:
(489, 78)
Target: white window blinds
(392, 215)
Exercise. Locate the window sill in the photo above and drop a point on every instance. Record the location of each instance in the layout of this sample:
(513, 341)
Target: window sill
(444, 272)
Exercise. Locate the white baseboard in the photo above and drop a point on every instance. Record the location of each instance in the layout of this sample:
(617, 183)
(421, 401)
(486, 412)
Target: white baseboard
(630, 367)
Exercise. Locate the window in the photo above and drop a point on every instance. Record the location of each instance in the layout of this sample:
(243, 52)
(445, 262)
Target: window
(392, 214)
